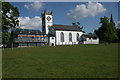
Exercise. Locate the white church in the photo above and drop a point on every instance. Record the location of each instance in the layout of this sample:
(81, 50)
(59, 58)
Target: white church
(64, 34)
(52, 34)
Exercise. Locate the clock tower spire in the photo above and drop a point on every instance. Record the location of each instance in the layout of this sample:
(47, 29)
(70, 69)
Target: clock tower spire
(46, 21)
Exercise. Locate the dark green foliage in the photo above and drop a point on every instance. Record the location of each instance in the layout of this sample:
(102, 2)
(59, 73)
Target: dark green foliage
(0, 15)
(118, 34)
(10, 16)
(10, 20)
(89, 33)
(79, 61)
(78, 25)
(0, 23)
(107, 31)
(5, 37)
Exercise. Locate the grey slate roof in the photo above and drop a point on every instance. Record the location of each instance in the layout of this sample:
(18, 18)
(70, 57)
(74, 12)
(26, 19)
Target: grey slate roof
(51, 35)
(90, 35)
(26, 31)
(65, 27)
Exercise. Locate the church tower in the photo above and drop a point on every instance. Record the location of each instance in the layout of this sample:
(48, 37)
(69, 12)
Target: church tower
(111, 19)
(46, 21)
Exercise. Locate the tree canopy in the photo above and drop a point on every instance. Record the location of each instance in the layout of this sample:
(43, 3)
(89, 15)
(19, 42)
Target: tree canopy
(10, 20)
(78, 25)
(118, 34)
(10, 16)
(107, 31)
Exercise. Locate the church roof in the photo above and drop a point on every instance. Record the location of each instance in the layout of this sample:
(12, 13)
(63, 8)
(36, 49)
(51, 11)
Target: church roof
(51, 35)
(90, 35)
(65, 27)
(26, 31)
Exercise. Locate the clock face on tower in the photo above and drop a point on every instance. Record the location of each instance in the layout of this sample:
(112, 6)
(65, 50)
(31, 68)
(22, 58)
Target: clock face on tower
(48, 18)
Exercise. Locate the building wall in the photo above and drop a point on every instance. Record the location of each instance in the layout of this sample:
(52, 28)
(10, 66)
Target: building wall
(48, 23)
(51, 41)
(66, 37)
(25, 44)
(29, 40)
(91, 41)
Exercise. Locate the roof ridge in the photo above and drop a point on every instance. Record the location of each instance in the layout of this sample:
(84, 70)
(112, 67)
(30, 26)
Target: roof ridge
(64, 25)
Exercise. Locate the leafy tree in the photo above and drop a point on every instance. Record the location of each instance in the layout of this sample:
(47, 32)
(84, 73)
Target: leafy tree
(10, 20)
(0, 20)
(118, 34)
(90, 33)
(5, 37)
(107, 31)
(78, 25)
(10, 16)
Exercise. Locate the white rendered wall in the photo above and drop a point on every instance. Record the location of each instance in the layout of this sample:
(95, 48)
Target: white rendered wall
(48, 23)
(51, 41)
(91, 41)
(66, 37)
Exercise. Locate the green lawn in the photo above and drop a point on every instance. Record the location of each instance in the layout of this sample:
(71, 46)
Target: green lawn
(79, 61)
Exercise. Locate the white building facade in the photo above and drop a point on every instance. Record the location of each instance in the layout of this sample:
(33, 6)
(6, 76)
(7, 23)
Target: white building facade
(67, 37)
(51, 35)
(89, 39)
(60, 34)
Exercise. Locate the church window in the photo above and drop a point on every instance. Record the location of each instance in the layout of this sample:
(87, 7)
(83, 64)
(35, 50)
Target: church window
(62, 37)
(70, 37)
(52, 38)
(77, 37)
(89, 37)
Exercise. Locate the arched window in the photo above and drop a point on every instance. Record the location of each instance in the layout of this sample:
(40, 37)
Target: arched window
(62, 37)
(70, 37)
(77, 37)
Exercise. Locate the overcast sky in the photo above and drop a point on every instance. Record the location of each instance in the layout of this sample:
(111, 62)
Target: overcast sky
(87, 13)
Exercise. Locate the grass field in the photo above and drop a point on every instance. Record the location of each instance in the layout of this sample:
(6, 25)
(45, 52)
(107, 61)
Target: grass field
(79, 61)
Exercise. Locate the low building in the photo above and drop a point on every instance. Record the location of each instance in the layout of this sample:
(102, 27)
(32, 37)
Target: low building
(27, 37)
(89, 39)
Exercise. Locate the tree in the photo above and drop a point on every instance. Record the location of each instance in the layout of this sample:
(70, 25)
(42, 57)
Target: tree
(5, 37)
(0, 20)
(107, 31)
(10, 16)
(10, 20)
(78, 25)
(118, 34)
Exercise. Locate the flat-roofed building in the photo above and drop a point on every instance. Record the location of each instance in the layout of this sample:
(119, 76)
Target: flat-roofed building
(27, 37)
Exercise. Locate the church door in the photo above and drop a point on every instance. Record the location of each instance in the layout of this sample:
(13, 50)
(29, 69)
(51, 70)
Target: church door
(52, 44)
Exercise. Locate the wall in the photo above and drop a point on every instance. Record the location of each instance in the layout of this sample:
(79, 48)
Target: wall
(51, 41)
(66, 37)
(91, 41)
(48, 23)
